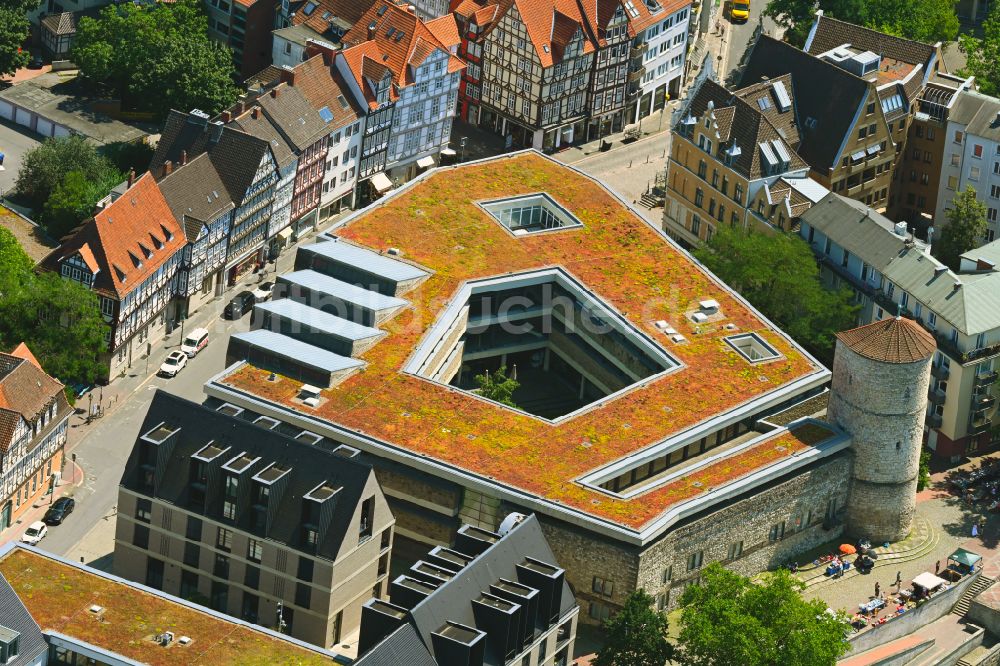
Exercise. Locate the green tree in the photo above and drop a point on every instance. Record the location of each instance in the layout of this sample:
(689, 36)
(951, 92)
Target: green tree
(983, 54)
(73, 200)
(15, 264)
(636, 635)
(795, 16)
(924, 472)
(965, 229)
(730, 620)
(779, 276)
(61, 322)
(156, 56)
(498, 386)
(45, 167)
(14, 28)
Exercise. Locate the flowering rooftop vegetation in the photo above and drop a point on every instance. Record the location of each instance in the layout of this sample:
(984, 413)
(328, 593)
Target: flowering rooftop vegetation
(58, 596)
(616, 254)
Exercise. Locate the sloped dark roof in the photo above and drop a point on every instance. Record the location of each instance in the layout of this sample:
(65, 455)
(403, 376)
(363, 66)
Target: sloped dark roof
(264, 128)
(401, 647)
(829, 33)
(308, 465)
(895, 340)
(741, 123)
(60, 24)
(293, 115)
(820, 91)
(13, 615)
(195, 192)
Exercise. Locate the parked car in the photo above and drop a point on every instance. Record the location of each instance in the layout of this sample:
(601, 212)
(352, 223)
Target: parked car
(36, 532)
(262, 291)
(739, 11)
(57, 513)
(81, 390)
(241, 304)
(37, 62)
(174, 363)
(195, 342)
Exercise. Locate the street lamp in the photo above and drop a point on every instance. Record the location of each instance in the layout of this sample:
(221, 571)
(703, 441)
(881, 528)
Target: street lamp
(462, 144)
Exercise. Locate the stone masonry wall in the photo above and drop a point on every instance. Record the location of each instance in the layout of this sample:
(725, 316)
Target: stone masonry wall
(800, 502)
(882, 405)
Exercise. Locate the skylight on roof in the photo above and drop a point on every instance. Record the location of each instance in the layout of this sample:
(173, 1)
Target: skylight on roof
(531, 213)
(382, 10)
(763, 103)
(342, 101)
(391, 31)
(309, 8)
(781, 93)
(326, 114)
(752, 347)
(630, 8)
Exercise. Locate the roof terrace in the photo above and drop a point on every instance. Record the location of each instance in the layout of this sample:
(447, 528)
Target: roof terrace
(437, 224)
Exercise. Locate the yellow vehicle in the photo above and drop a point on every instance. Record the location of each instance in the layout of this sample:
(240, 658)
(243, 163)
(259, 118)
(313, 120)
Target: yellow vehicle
(739, 11)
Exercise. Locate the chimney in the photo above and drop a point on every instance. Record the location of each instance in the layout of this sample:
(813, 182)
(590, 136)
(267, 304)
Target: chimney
(287, 75)
(184, 157)
(378, 620)
(227, 117)
(255, 112)
(371, 30)
(168, 168)
(131, 177)
(274, 93)
(241, 107)
(314, 47)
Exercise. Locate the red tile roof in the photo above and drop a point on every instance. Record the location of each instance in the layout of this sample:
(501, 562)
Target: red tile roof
(395, 38)
(896, 340)
(445, 28)
(22, 351)
(25, 390)
(128, 240)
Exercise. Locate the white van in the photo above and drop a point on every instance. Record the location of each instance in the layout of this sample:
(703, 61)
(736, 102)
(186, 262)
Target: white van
(195, 342)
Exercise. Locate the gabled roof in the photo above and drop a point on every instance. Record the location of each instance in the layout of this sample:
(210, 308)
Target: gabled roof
(322, 85)
(25, 391)
(195, 193)
(445, 29)
(769, 96)
(129, 239)
(741, 124)
(235, 154)
(255, 123)
(398, 40)
(978, 112)
(551, 25)
(829, 33)
(326, 17)
(308, 467)
(821, 92)
(60, 24)
(293, 116)
(893, 340)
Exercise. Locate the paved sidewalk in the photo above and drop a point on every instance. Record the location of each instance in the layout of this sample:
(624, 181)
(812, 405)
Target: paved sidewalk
(74, 477)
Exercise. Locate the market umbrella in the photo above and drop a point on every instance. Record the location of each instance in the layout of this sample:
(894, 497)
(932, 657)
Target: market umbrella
(847, 549)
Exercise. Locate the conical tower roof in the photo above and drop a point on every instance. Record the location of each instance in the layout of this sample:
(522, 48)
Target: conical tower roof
(895, 340)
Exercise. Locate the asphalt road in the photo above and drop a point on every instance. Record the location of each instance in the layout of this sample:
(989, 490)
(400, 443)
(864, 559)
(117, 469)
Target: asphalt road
(104, 447)
(738, 35)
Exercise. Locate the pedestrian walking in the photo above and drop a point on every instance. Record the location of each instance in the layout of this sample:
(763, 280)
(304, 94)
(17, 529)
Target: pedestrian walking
(877, 590)
(937, 567)
(975, 529)
(899, 580)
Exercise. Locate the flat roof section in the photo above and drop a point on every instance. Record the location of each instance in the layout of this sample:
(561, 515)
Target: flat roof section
(317, 282)
(318, 320)
(634, 269)
(294, 350)
(363, 259)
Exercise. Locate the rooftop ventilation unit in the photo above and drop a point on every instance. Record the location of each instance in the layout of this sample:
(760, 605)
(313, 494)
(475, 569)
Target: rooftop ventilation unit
(781, 94)
(709, 306)
(900, 229)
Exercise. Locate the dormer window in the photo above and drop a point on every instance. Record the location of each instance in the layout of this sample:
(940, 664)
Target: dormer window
(10, 645)
(136, 261)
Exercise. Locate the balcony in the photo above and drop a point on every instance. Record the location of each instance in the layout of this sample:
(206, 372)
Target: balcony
(638, 50)
(936, 396)
(940, 372)
(987, 379)
(980, 425)
(934, 420)
(637, 74)
(981, 404)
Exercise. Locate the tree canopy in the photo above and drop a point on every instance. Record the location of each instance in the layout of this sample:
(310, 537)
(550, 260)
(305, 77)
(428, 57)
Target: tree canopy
(636, 635)
(44, 167)
(497, 386)
(14, 28)
(156, 57)
(923, 20)
(779, 276)
(965, 229)
(730, 620)
(59, 319)
(73, 200)
(983, 54)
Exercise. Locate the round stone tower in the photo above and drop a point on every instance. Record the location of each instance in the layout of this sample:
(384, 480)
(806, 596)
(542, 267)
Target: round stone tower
(881, 373)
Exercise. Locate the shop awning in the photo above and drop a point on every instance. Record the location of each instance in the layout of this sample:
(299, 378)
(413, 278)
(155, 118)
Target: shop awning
(285, 233)
(857, 156)
(425, 162)
(449, 152)
(381, 183)
(963, 556)
(929, 581)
